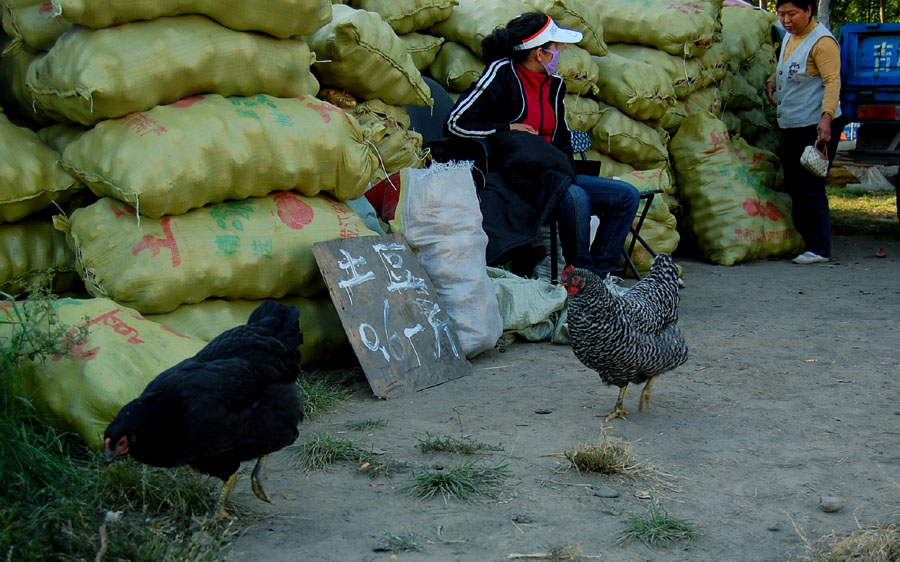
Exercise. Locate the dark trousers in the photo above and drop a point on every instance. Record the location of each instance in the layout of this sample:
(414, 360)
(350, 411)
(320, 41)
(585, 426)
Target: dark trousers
(811, 216)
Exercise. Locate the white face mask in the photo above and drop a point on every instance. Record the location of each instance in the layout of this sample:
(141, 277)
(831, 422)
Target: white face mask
(550, 67)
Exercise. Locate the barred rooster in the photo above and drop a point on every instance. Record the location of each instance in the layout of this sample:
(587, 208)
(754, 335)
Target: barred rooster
(627, 339)
(233, 401)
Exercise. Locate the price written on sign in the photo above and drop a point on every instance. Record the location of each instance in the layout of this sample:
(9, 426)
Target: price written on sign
(391, 313)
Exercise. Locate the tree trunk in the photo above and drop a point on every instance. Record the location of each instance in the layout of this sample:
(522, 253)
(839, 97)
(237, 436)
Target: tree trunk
(881, 11)
(824, 16)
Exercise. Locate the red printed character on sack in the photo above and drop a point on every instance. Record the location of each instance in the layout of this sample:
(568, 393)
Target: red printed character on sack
(156, 244)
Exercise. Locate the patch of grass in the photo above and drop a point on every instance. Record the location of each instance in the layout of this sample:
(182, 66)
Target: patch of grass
(322, 391)
(464, 446)
(364, 425)
(876, 544)
(406, 542)
(57, 502)
(323, 450)
(855, 211)
(658, 530)
(461, 482)
(611, 456)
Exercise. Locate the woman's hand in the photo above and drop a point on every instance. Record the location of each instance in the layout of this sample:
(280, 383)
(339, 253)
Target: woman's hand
(824, 128)
(770, 92)
(522, 127)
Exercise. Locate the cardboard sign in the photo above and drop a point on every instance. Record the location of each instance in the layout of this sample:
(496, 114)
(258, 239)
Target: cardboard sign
(391, 313)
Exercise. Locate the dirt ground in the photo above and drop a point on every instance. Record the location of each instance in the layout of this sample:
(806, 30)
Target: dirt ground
(790, 394)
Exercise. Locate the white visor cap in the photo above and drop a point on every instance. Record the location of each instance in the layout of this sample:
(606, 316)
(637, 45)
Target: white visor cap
(550, 33)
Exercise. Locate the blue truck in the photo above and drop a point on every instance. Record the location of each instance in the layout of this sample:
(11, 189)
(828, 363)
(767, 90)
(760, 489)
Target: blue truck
(870, 90)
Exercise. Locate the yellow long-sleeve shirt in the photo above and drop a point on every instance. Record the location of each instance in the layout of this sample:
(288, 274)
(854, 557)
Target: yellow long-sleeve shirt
(824, 60)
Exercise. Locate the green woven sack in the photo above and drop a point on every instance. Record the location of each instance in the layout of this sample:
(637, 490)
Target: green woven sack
(576, 14)
(684, 74)
(473, 20)
(206, 149)
(281, 18)
(456, 67)
(32, 24)
(405, 16)
(359, 52)
(628, 140)
(684, 28)
(422, 48)
(638, 89)
(90, 75)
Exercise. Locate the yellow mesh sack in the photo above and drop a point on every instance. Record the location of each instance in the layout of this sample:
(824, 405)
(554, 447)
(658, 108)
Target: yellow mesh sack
(637, 88)
(679, 27)
(576, 14)
(30, 178)
(582, 112)
(323, 334)
(32, 24)
(83, 391)
(473, 20)
(359, 52)
(14, 95)
(60, 135)
(422, 48)
(405, 16)
(32, 248)
(732, 218)
(609, 166)
(199, 150)
(761, 163)
(628, 140)
(91, 75)
(252, 249)
(660, 235)
(281, 18)
(396, 112)
(578, 68)
(397, 147)
(456, 67)
(684, 74)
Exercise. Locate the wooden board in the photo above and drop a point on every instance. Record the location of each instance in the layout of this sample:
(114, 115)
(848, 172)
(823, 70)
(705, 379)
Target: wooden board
(391, 313)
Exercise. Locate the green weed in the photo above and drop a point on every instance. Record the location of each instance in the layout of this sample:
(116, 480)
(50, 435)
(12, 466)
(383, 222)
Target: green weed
(658, 529)
(323, 450)
(460, 483)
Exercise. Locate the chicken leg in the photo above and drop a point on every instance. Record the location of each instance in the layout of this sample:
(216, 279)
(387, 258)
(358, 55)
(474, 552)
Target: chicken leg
(260, 470)
(618, 411)
(218, 511)
(645, 394)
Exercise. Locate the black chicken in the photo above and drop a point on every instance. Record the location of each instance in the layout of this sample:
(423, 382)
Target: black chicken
(630, 338)
(233, 401)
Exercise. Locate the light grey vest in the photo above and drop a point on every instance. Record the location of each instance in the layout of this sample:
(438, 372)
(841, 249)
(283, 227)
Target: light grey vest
(798, 94)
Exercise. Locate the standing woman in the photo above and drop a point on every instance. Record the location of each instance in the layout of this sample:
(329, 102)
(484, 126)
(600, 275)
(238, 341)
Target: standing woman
(806, 90)
(520, 90)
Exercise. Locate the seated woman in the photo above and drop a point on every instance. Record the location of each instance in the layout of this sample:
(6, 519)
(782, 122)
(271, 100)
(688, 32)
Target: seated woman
(519, 90)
